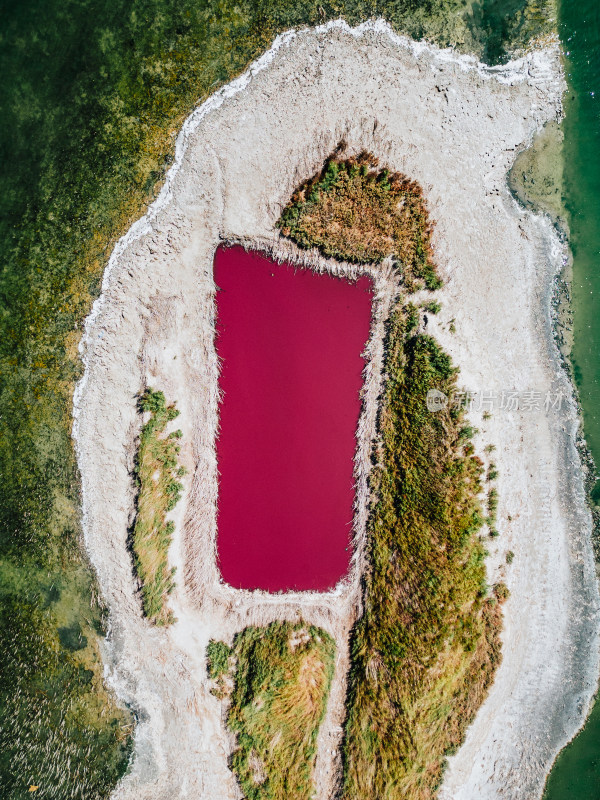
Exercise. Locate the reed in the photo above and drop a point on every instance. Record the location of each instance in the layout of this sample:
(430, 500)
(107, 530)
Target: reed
(358, 213)
(426, 647)
(157, 473)
(281, 679)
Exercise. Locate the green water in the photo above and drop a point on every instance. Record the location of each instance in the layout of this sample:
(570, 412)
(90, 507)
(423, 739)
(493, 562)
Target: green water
(91, 93)
(576, 775)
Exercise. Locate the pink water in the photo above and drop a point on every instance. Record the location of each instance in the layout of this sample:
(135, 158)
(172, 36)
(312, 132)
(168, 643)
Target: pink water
(290, 342)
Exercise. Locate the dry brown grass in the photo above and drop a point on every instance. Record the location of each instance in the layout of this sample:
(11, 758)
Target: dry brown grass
(282, 674)
(353, 211)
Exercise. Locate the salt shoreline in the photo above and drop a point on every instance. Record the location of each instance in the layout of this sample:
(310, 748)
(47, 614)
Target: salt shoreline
(454, 125)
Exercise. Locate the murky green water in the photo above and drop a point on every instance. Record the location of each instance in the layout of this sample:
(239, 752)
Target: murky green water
(576, 775)
(580, 33)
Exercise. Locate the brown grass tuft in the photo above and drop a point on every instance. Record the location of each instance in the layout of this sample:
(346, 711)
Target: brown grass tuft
(355, 212)
(282, 676)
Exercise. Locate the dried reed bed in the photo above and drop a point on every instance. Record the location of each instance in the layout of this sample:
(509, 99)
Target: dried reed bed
(278, 680)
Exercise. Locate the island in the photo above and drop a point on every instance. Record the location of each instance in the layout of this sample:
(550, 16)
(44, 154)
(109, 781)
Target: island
(456, 651)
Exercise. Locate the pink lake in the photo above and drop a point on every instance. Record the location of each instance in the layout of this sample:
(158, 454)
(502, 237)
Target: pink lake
(290, 343)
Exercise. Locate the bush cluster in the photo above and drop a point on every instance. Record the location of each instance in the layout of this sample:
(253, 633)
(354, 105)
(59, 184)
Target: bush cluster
(157, 475)
(353, 211)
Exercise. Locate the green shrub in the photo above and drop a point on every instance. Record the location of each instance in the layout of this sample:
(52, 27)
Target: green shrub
(433, 307)
(467, 432)
(501, 592)
(217, 659)
(156, 474)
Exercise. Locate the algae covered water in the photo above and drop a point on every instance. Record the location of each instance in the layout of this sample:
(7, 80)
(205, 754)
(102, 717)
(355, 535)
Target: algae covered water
(576, 774)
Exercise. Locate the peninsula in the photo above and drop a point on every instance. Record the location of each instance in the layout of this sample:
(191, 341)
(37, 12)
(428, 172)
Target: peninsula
(469, 594)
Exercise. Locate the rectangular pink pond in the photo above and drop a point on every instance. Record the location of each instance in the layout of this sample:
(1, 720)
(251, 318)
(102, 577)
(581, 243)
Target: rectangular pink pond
(290, 343)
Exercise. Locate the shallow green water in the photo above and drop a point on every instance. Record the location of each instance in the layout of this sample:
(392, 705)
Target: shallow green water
(580, 33)
(576, 775)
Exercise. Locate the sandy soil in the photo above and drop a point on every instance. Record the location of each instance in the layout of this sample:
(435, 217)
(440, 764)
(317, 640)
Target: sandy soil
(455, 126)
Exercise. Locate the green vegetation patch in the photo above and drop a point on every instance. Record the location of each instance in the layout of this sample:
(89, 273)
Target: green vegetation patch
(217, 659)
(157, 473)
(281, 681)
(91, 95)
(425, 650)
(355, 212)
